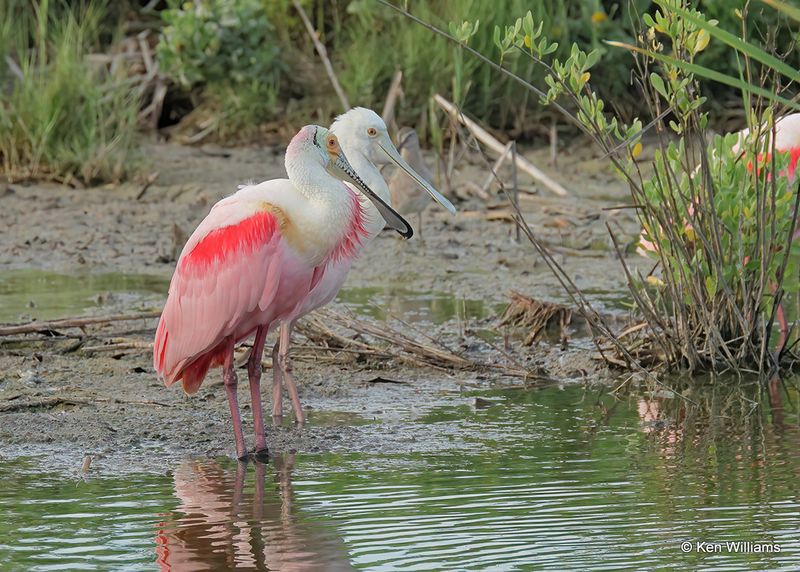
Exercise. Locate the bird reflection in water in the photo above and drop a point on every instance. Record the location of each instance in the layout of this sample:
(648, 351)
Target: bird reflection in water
(224, 523)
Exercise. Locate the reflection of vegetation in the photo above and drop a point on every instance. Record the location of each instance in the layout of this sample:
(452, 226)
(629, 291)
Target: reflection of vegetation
(61, 117)
(45, 518)
(435, 307)
(47, 295)
(567, 477)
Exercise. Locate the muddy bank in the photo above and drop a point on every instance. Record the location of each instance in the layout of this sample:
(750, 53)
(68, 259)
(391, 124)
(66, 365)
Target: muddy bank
(67, 403)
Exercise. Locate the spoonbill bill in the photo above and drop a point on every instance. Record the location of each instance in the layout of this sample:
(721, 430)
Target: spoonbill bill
(254, 259)
(406, 198)
(366, 142)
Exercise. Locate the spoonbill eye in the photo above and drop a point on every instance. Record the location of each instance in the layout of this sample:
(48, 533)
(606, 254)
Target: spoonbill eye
(332, 143)
(372, 132)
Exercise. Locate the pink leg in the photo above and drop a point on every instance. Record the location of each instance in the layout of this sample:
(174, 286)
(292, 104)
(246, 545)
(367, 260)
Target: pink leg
(783, 324)
(783, 328)
(254, 373)
(277, 385)
(229, 377)
(286, 371)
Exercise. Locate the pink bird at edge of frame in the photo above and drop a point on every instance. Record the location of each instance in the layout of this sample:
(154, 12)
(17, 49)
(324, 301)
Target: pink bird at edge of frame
(253, 260)
(787, 140)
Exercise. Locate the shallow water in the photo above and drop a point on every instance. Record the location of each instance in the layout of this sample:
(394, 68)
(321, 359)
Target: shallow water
(556, 479)
(41, 295)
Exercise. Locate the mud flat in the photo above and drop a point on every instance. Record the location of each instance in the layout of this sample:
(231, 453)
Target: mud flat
(65, 403)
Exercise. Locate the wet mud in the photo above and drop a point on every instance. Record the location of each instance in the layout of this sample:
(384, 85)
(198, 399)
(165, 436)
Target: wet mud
(64, 404)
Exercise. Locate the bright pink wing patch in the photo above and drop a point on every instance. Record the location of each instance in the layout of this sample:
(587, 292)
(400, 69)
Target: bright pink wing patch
(229, 275)
(241, 238)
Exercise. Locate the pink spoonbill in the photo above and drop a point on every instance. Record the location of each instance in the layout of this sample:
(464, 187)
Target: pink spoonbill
(254, 259)
(787, 140)
(365, 140)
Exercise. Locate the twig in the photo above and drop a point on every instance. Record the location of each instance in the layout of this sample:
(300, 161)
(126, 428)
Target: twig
(151, 178)
(515, 187)
(553, 143)
(51, 402)
(486, 138)
(323, 54)
(496, 167)
(391, 98)
(79, 322)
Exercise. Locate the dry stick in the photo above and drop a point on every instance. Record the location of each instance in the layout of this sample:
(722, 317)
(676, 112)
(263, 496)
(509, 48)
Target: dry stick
(515, 188)
(487, 139)
(151, 178)
(391, 98)
(79, 322)
(496, 167)
(323, 54)
(55, 401)
(553, 143)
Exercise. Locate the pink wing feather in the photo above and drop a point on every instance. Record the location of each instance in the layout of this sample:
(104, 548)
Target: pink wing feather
(228, 271)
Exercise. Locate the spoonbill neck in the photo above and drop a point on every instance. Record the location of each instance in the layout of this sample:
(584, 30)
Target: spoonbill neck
(371, 175)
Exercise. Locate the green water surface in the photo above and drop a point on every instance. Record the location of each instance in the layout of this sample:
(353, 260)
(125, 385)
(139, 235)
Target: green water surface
(41, 295)
(555, 479)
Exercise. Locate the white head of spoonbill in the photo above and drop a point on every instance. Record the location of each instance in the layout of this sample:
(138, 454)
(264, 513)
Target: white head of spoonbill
(335, 163)
(366, 131)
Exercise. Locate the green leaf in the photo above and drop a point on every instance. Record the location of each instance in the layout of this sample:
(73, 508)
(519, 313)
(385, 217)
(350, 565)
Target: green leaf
(740, 45)
(658, 83)
(527, 24)
(711, 286)
(709, 74)
(591, 59)
(791, 11)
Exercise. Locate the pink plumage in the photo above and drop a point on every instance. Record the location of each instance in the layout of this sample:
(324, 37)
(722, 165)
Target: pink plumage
(220, 286)
(251, 264)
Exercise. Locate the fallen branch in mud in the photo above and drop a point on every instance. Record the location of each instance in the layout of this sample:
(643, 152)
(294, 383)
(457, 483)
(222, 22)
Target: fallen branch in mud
(50, 402)
(77, 322)
(485, 137)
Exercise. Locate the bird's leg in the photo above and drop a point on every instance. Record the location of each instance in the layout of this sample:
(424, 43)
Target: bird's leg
(229, 377)
(783, 324)
(286, 370)
(783, 328)
(254, 373)
(419, 227)
(277, 384)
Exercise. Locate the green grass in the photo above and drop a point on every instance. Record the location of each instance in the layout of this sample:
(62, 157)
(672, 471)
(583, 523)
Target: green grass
(61, 117)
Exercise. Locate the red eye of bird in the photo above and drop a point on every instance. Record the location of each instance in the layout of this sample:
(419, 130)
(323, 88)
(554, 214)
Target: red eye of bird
(372, 132)
(332, 143)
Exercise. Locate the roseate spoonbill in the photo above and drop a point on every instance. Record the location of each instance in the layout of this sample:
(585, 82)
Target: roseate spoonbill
(787, 140)
(365, 140)
(254, 259)
(406, 198)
